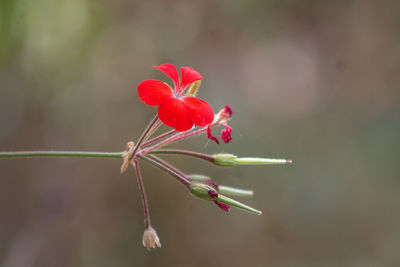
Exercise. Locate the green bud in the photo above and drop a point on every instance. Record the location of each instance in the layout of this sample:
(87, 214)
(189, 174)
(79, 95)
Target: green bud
(227, 190)
(232, 160)
(260, 161)
(193, 88)
(198, 178)
(201, 191)
(237, 204)
(226, 160)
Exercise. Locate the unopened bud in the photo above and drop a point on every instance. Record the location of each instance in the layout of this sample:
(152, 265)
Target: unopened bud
(201, 191)
(227, 190)
(226, 160)
(198, 178)
(194, 88)
(231, 160)
(237, 204)
(205, 192)
(261, 161)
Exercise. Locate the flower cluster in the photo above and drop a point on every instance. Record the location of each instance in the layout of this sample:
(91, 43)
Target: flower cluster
(188, 115)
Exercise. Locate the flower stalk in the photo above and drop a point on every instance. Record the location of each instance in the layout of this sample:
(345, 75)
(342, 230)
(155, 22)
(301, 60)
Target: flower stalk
(168, 169)
(143, 137)
(198, 155)
(143, 194)
(64, 154)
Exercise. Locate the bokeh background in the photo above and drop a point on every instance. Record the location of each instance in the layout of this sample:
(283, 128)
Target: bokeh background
(313, 81)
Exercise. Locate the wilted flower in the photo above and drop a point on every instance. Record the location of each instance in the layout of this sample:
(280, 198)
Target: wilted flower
(150, 238)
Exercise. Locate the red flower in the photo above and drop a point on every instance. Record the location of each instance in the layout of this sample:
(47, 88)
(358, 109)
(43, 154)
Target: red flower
(175, 109)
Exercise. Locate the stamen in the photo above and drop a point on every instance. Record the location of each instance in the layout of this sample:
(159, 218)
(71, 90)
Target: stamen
(210, 136)
(226, 134)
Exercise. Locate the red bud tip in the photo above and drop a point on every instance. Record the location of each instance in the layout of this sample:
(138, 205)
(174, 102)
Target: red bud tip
(212, 184)
(222, 206)
(289, 161)
(212, 193)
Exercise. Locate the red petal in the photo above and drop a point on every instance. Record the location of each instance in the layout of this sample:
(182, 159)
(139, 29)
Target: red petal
(154, 93)
(174, 114)
(189, 76)
(199, 110)
(171, 71)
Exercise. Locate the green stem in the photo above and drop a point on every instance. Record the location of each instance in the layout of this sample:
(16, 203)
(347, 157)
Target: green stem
(28, 154)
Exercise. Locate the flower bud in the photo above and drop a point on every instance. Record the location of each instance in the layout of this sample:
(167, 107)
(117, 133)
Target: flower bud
(237, 204)
(201, 191)
(205, 192)
(227, 190)
(226, 160)
(198, 178)
(260, 161)
(150, 238)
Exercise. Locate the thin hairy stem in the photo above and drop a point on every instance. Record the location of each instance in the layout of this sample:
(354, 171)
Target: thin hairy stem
(175, 138)
(163, 143)
(181, 177)
(143, 193)
(170, 166)
(84, 154)
(152, 130)
(155, 139)
(202, 156)
(143, 136)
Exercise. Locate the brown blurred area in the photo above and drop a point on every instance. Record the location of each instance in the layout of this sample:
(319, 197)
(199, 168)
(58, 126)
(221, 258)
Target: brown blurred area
(313, 81)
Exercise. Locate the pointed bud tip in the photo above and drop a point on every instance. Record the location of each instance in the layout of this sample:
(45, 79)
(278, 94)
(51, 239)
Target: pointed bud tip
(289, 161)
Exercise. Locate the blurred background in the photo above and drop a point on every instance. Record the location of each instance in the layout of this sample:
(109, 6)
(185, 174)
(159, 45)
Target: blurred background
(313, 81)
